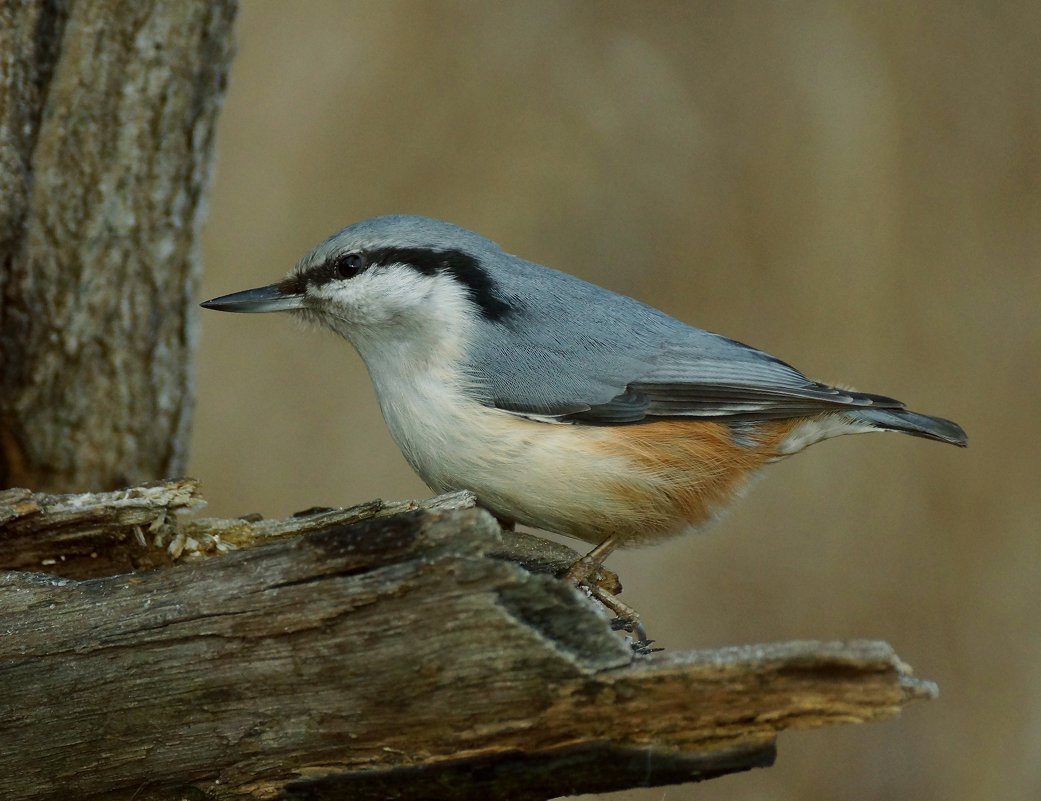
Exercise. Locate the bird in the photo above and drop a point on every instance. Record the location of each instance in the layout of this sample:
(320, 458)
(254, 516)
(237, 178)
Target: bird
(560, 404)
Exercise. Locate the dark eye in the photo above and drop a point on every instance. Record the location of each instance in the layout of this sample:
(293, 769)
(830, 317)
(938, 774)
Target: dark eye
(350, 264)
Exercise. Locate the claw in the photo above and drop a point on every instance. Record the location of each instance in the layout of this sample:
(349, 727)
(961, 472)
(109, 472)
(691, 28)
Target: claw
(621, 624)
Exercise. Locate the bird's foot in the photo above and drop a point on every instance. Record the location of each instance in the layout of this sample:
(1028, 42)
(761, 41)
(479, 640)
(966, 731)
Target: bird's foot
(585, 573)
(626, 619)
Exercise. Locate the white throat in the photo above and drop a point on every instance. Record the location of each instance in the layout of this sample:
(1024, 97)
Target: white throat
(415, 361)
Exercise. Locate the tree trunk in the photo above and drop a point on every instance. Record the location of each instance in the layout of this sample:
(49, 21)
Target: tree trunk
(107, 116)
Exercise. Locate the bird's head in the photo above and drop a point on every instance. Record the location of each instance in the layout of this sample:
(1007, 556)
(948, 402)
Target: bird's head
(407, 280)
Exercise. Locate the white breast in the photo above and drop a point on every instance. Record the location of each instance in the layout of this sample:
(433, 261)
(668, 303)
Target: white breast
(546, 475)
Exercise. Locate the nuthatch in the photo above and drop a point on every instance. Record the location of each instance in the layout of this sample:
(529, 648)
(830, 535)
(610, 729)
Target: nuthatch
(561, 405)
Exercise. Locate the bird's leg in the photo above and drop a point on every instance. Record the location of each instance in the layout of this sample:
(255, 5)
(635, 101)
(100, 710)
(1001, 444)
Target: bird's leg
(583, 572)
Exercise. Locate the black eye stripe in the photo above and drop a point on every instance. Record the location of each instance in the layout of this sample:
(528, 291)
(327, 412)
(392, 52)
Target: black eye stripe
(343, 266)
(461, 266)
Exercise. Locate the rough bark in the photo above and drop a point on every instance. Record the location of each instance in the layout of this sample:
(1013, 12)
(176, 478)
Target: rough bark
(384, 651)
(107, 114)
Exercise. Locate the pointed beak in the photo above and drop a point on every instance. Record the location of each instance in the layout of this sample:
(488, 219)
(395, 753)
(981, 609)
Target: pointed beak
(263, 299)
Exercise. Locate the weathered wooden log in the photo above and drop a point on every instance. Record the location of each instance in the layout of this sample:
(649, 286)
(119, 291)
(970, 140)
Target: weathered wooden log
(386, 651)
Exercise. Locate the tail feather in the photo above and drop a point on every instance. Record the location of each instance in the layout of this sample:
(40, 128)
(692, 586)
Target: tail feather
(918, 425)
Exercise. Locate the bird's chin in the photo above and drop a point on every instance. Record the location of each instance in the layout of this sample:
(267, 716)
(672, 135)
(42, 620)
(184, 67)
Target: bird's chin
(319, 317)
(310, 317)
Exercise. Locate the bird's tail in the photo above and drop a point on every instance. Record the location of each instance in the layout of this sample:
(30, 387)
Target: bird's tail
(918, 425)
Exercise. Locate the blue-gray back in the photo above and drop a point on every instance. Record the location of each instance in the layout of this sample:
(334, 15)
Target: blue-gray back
(572, 349)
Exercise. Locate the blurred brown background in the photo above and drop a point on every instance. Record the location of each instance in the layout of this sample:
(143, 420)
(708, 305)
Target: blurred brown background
(855, 188)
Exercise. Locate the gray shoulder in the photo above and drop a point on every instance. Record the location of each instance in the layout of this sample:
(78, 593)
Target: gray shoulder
(568, 346)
